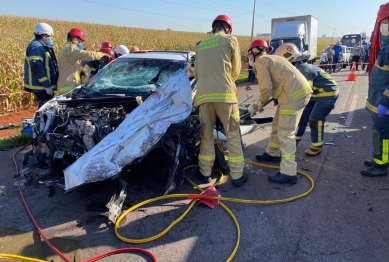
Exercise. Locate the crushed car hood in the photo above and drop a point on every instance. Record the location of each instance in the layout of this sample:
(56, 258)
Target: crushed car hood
(136, 135)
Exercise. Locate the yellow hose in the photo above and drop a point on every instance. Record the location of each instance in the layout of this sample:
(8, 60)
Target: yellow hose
(20, 258)
(192, 196)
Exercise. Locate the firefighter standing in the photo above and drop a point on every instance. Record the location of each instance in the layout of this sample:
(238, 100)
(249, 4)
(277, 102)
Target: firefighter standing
(284, 82)
(377, 103)
(217, 66)
(325, 94)
(40, 64)
(69, 61)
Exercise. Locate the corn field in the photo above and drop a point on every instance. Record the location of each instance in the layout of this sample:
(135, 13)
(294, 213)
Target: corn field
(17, 32)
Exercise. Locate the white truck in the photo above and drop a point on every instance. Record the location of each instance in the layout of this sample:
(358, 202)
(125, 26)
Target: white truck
(299, 30)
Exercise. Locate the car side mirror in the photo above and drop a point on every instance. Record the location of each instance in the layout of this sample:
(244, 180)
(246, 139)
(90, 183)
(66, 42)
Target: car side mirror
(306, 47)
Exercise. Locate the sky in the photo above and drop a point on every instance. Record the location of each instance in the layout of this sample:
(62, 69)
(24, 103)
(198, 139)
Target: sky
(335, 17)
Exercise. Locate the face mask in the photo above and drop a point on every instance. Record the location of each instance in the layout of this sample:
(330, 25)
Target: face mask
(50, 43)
(80, 46)
(384, 29)
(251, 63)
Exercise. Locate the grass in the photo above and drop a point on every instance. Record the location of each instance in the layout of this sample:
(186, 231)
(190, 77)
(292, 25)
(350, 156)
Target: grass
(14, 141)
(242, 78)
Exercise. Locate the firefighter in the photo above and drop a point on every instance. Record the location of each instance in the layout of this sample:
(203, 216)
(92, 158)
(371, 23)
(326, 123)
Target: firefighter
(284, 82)
(106, 44)
(96, 65)
(121, 50)
(325, 94)
(216, 67)
(69, 60)
(134, 49)
(40, 64)
(377, 103)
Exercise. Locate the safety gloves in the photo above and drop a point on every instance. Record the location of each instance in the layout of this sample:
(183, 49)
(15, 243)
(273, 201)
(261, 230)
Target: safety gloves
(106, 58)
(256, 108)
(49, 90)
(382, 111)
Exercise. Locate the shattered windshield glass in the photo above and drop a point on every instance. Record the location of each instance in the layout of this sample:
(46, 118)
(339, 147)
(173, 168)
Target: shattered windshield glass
(132, 76)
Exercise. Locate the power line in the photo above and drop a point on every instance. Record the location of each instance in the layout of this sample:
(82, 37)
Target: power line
(130, 9)
(196, 6)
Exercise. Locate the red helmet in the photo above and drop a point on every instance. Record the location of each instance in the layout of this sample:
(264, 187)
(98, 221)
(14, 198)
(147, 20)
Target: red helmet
(259, 44)
(109, 52)
(223, 18)
(383, 12)
(78, 32)
(106, 45)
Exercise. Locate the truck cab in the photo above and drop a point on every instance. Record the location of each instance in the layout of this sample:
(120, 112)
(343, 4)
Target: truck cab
(299, 30)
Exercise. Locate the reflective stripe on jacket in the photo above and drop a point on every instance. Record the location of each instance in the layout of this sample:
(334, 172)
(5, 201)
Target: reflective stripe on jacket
(39, 68)
(217, 66)
(277, 75)
(69, 62)
(378, 92)
(323, 85)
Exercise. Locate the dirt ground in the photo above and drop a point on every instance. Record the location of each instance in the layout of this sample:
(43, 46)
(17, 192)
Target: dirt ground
(15, 119)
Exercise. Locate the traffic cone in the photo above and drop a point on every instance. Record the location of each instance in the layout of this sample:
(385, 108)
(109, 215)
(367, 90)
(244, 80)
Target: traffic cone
(353, 74)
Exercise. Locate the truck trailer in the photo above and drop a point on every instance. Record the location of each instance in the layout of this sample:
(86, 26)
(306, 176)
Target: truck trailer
(299, 30)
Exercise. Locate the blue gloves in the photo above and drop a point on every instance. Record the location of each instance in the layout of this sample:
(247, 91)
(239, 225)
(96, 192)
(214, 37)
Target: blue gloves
(382, 111)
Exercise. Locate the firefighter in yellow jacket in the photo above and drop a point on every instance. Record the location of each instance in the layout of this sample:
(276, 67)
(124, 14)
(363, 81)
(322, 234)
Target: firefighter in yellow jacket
(69, 61)
(284, 82)
(216, 67)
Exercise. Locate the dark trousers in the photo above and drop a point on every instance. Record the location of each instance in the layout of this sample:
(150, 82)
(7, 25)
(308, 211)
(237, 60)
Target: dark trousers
(42, 97)
(356, 60)
(328, 66)
(251, 75)
(336, 59)
(366, 63)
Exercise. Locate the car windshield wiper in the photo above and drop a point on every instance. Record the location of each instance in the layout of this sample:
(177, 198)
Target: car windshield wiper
(155, 79)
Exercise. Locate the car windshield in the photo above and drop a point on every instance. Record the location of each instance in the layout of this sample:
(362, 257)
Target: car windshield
(132, 76)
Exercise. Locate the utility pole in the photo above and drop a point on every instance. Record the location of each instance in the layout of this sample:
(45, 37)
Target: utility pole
(252, 25)
(332, 36)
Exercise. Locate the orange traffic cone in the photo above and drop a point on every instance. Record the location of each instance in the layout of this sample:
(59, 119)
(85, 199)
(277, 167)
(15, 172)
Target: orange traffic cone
(353, 74)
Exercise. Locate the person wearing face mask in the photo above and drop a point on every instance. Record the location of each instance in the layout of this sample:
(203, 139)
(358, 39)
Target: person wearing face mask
(40, 64)
(377, 103)
(216, 67)
(279, 79)
(69, 60)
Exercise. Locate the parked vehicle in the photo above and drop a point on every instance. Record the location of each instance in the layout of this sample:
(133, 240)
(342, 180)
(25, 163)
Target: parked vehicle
(299, 30)
(343, 62)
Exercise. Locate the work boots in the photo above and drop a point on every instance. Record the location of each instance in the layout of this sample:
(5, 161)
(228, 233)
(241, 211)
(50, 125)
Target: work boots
(204, 179)
(374, 171)
(280, 178)
(313, 151)
(368, 163)
(240, 181)
(266, 157)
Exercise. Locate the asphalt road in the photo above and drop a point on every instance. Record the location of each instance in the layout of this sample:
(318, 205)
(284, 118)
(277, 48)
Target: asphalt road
(344, 218)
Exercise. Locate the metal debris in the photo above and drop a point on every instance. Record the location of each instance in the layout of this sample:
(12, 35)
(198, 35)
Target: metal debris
(330, 144)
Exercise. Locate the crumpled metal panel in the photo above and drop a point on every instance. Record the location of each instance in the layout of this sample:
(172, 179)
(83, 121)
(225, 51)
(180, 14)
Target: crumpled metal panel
(136, 135)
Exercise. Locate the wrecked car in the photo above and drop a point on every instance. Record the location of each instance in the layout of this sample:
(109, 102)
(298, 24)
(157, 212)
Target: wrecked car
(135, 111)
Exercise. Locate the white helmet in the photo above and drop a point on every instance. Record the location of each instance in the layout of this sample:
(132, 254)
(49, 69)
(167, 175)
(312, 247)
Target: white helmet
(43, 29)
(121, 50)
(290, 52)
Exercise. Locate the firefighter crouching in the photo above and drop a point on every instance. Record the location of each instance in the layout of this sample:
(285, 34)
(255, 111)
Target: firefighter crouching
(69, 61)
(217, 66)
(281, 80)
(40, 65)
(325, 94)
(377, 103)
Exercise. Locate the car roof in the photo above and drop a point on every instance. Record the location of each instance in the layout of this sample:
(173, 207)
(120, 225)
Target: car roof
(170, 55)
